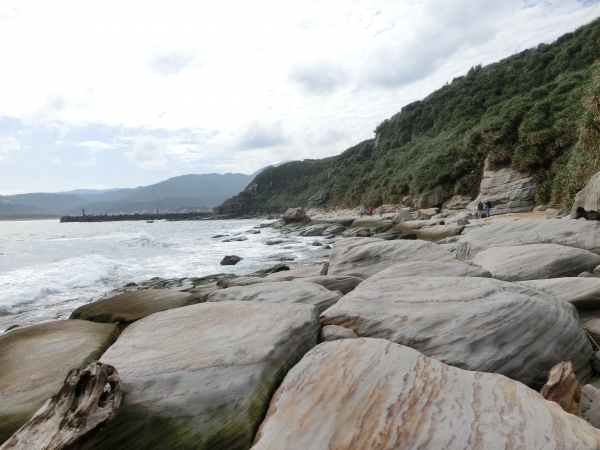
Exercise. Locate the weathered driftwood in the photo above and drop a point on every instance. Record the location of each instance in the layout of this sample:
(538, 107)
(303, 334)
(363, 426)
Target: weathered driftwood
(88, 399)
(562, 387)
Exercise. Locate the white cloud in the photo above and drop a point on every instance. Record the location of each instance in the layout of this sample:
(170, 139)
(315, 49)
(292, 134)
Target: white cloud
(260, 135)
(95, 146)
(172, 63)
(47, 114)
(329, 136)
(319, 77)
(9, 144)
(56, 162)
(279, 80)
(149, 153)
(90, 162)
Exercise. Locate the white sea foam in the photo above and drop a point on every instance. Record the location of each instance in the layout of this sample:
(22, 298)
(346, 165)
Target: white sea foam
(35, 283)
(47, 269)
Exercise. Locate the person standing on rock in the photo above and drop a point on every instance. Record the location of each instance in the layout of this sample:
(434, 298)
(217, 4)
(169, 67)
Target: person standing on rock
(380, 210)
(371, 211)
(479, 209)
(488, 207)
(362, 210)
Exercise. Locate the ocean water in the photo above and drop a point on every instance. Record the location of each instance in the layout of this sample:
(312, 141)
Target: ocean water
(48, 269)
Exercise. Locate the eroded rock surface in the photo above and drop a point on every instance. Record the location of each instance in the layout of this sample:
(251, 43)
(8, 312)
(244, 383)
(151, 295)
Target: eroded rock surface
(202, 376)
(581, 233)
(35, 360)
(427, 233)
(453, 268)
(364, 257)
(535, 261)
(587, 201)
(469, 322)
(590, 405)
(508, 190)
(562, 387)
(583, 293)
(590, 320)
(295, 215)
(301, 272)
(341, 283)
(334, 333)
(377, 395)
(202, 292)
(132, 306)
(279, 292)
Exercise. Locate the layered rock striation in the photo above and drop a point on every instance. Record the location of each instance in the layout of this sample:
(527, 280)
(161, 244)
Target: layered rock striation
(377, 395)
(470, 322)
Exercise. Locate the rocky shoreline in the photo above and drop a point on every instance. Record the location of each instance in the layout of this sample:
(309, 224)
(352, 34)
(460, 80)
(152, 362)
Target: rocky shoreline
(425, 329)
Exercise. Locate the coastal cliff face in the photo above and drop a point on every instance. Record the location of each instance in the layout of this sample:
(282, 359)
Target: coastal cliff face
(532, 114)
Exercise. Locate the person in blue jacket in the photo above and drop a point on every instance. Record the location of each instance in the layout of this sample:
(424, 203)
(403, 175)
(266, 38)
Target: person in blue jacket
(479, 209)
(488, 207)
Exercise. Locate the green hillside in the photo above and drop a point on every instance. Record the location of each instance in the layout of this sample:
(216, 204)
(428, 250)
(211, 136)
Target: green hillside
(537, 111)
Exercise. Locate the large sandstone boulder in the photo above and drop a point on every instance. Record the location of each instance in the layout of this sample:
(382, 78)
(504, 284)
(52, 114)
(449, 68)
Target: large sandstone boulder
(341, 283)
(202, 292)
(241, 281)
(373, 221)
(583, 293)
(295, 215)
(301, 272)
(201, 377)
(472, 323)
(403, 215)
(377, 395)
(364, 257)
(315, 230)
(427, 233)
(429, 199)
(34, 362)
(572, 233)
(508, 190)
(457, 203)
(428, 213)
(535, 261)
(279, 292)
(454, 268)
(587, 201)
(132, 306)
(329, 219)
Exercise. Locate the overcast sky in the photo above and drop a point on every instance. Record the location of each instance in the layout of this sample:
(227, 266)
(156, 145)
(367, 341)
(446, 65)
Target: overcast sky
(125, 93)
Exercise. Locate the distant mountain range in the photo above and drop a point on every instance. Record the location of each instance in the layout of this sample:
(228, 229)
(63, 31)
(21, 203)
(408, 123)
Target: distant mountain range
(175, 194)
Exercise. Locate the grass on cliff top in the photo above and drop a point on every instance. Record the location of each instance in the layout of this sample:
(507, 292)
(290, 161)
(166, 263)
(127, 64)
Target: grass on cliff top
(536, 111)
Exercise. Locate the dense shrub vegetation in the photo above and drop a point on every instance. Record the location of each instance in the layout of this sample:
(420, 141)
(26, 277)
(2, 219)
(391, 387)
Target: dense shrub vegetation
(538, 111)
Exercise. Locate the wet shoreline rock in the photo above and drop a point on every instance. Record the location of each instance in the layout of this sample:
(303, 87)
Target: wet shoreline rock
(202, 376)
(131, 306)
(230, 260)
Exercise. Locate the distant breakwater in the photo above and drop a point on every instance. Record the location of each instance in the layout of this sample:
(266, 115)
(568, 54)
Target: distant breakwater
(123, 217)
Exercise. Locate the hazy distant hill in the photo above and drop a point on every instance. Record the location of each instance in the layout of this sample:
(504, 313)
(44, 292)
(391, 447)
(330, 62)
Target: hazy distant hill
(44, 202)
(125, 206)
(17, 210)
(206, 190)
